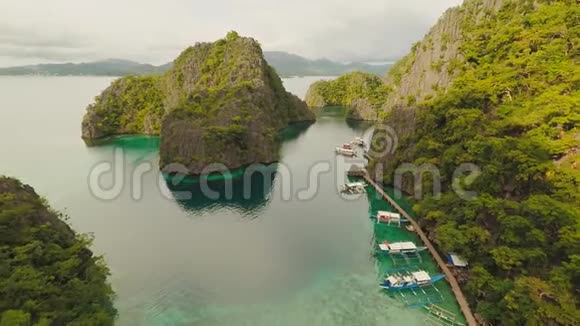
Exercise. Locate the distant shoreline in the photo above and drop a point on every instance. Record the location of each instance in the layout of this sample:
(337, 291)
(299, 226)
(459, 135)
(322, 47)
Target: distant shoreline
(287, 65)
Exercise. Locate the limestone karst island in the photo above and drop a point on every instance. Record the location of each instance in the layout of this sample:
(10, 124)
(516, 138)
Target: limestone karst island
(220, 103)
(388, 163)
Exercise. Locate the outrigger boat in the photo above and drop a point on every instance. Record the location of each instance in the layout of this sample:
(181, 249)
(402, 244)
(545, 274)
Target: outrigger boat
(412, 280)
(354, 188)
(345, 151)
(405, 247)
(440, 316)
(359, 142)
(347, 146)
(390, 217)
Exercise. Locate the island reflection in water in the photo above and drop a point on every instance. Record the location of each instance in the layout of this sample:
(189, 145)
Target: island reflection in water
(245, 190)
(248, 189)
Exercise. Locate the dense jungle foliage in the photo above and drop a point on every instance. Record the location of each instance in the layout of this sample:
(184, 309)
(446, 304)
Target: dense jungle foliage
(228, 75)
(131, 105)
(513, 111)
(348, 88)
(207, 82)
(48, 276)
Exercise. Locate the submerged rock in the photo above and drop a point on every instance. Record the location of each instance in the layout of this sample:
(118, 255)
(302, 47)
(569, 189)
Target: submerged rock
(220, 103)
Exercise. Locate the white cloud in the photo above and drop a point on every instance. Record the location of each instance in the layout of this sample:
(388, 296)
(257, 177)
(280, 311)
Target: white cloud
(157, 30)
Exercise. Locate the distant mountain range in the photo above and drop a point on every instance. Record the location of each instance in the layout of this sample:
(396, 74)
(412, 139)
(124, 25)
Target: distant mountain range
(286, 64)
(109, 67)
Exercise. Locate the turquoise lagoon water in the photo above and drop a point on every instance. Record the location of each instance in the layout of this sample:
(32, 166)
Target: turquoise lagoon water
(291, 253)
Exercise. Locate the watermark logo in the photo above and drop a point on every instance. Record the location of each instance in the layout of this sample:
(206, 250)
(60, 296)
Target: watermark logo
(383, 142)
(108, 179)
(418, 173)
(465, 175)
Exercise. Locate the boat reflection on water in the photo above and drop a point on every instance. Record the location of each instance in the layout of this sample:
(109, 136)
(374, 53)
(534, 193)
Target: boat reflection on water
(247, 190)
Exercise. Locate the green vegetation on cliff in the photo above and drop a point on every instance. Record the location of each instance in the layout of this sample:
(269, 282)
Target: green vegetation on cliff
(513, 110)
(365, 93)
(402, 67)
(48, 276)
(346, 88)
(131, 105)
(220, 103)
(227, 111)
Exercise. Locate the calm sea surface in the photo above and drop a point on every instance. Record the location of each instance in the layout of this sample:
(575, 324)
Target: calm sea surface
(295, 252)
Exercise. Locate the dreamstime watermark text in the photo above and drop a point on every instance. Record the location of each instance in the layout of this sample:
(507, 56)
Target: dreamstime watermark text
(110, 179)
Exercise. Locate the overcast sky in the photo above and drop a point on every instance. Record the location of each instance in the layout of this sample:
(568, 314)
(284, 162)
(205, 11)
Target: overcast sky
(155, 31)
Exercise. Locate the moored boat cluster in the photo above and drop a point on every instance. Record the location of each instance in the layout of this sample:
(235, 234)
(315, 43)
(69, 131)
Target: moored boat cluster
(406, 251)
(350, 149)
(414, 285)
(353, 188)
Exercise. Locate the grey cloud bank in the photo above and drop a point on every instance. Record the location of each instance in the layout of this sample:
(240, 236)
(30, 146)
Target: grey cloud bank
(156, 31)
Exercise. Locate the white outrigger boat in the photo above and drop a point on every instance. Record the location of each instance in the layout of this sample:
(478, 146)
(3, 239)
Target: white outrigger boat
(405, 247)
(441, 316)
(345, 151)
(347, 146)
(359, 142)
(353, 188)
(412, 280)
(390, 217)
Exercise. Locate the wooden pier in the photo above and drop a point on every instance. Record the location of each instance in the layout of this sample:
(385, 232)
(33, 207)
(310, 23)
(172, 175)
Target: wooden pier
(469, 317)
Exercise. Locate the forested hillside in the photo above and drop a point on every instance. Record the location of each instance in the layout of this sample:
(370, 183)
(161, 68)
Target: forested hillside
(364, 93)
(48, 276)
(511, 108)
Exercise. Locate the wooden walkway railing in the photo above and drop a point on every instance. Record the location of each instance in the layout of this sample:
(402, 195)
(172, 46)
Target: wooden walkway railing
(448, 275)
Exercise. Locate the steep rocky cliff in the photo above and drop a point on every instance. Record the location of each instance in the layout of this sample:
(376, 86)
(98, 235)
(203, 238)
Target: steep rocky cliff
(228, 105)
(429, 69)
(363, 93)
(430, 66)
(220, 103)
(434, 62)
(48, 275)
(486, 109)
